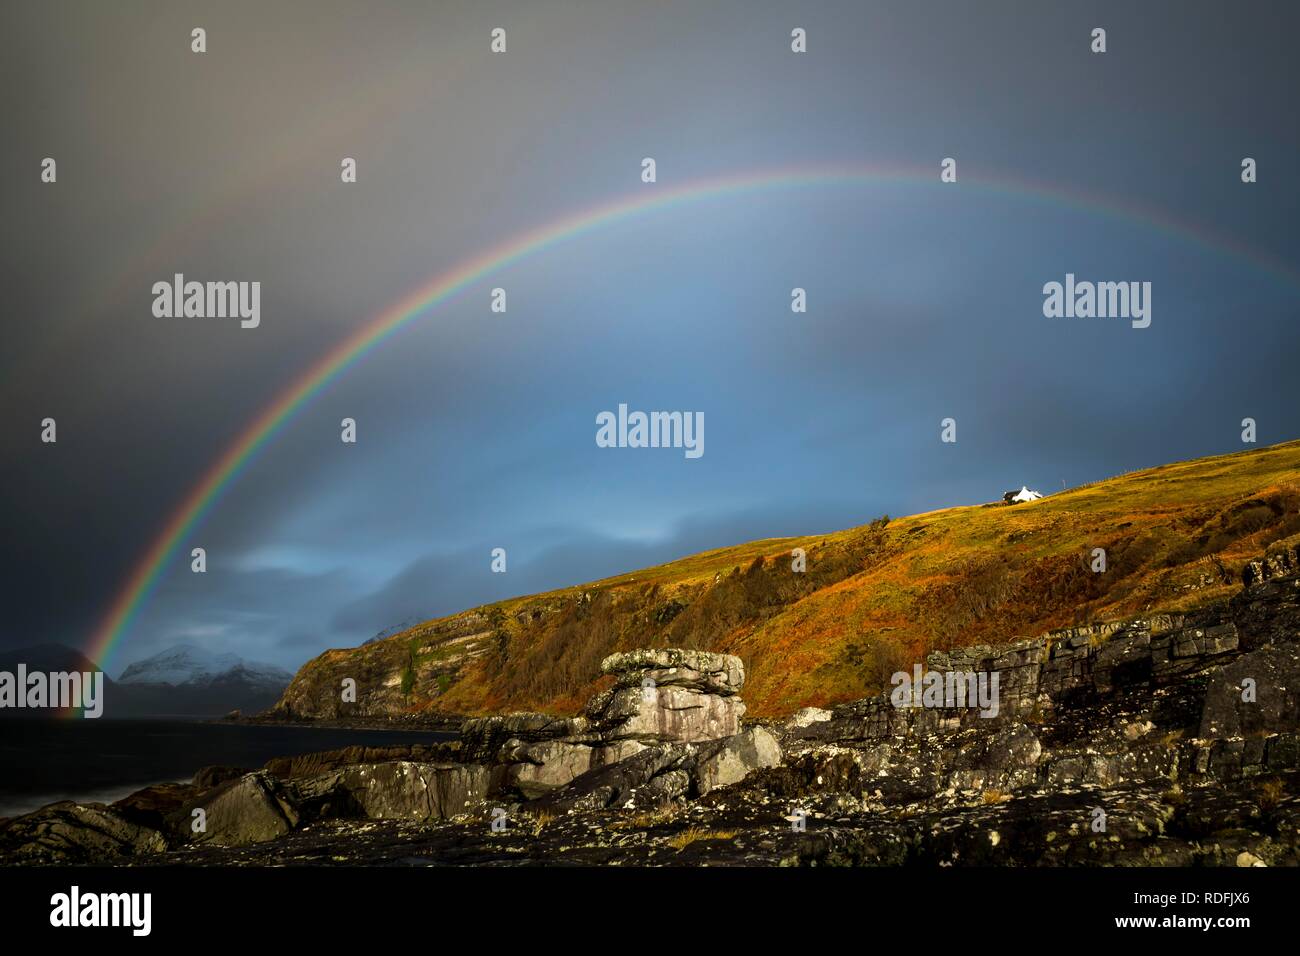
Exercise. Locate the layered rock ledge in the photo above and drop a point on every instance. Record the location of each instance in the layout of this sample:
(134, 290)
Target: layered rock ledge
(676, 703)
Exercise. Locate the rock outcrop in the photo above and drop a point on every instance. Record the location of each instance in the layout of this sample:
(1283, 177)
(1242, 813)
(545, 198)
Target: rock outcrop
(669, 695)
(1256, 695)
(481, 738)
(661, 698)
(1168, 740)
(398, 790)
(669, 728)
(250, 809)
(69, 833)
(731, 759)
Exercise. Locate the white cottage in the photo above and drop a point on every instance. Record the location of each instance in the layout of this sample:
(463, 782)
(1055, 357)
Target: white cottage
(1024, 494)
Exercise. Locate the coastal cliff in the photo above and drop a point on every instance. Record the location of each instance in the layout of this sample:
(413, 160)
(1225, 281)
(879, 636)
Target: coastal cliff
(1163, 740)
(825, 619)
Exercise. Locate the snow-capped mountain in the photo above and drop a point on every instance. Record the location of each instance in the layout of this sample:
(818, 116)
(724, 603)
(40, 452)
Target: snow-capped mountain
(186, 665)
(181, 682)
(390, 631)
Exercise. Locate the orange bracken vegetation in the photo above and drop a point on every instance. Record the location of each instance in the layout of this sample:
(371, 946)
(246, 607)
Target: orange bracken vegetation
(876, 598)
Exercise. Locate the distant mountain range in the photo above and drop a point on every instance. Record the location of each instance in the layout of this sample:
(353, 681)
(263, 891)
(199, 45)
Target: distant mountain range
(188, 666)
(390, 631)
(182, 681)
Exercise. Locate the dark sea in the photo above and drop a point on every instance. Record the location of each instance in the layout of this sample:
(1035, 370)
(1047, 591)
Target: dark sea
(104, 760)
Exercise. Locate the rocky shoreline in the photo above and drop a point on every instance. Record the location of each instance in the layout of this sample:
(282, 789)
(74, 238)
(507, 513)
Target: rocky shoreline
(1171, 740)
(432, 722)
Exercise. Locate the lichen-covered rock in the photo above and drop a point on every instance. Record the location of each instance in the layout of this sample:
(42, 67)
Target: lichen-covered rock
(703, 671)
(481, 738)
(660, 696)
(626, 784)
(732, 759)
(538, 768)
(72, 833)
(806, 717)
(397, 790)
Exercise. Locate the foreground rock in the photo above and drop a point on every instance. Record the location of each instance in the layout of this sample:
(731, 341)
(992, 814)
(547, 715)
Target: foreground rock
(731, 759)
(1147, 825)
(399, 790)
(251, 809)
(661, 698)
(70, 833)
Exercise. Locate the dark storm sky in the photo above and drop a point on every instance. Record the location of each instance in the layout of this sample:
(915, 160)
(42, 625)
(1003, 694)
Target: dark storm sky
(477, 430)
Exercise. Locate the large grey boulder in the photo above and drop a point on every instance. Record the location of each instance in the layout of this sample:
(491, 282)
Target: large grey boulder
(251, 809)
(657, 714)
(397, 790)
(733, 759)
(538, 768)
(664, 772)
(659, 696)
(646, 779)
(535, 769)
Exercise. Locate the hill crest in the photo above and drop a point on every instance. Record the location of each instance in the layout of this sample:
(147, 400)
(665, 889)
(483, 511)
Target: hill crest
(873, 599)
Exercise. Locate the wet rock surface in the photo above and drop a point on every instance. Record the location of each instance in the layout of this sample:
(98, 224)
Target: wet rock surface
(251, 809)
(72, 833)
(1173, 740)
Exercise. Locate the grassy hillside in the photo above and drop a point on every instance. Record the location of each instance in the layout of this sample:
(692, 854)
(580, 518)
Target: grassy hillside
(873, 600)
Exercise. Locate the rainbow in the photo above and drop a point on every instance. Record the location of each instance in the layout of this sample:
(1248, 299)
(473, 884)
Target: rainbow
(204, 496)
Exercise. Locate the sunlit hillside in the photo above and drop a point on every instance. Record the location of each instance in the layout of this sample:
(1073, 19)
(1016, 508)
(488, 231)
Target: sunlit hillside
(871, 601)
